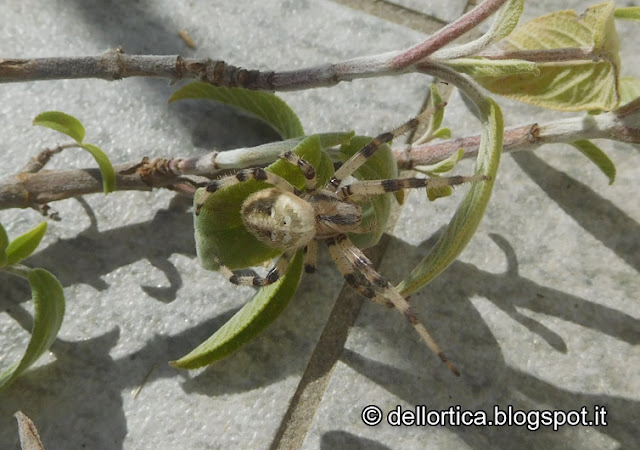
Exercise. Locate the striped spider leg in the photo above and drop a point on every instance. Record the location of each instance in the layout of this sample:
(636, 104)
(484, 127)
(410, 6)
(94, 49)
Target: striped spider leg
(356, 268)
(288, 219)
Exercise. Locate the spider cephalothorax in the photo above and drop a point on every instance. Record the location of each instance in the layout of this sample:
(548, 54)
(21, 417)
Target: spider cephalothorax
(287, 218)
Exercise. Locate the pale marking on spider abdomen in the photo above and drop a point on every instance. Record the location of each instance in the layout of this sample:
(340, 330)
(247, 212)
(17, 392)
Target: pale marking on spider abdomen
(279, 219)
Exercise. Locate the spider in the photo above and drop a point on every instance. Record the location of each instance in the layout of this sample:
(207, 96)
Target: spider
(290, 219)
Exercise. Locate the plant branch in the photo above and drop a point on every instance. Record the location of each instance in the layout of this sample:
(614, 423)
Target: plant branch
(36, 163)
(447, 34)
(34, 189)
(621, 125)
(115, 64)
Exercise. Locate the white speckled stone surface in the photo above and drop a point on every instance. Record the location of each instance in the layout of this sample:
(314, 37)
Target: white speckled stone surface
(540, 312)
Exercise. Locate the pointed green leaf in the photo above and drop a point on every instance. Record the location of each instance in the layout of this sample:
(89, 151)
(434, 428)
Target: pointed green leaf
(443, 166)
(4, 242)
(598, 157)
(265, 307)
(49, 304)
(106, 169)
(442, 133)
(482, 67)
(219, 229)
(578, 86)
(629, 13)
(436, 193)
(264, 105)
(23, 246)
(629, 89)
(469, 214)
(61, 122)
(375, 211)
(505, 21)
(328, 140)
(436, 100)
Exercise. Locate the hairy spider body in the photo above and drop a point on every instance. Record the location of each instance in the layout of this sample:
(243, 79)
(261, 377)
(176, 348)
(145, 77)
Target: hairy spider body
(288, 219)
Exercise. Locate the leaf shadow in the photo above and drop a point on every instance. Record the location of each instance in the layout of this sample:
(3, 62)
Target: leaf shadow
(597, 215)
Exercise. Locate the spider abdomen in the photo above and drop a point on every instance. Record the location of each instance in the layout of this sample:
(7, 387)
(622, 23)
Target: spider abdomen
(279, 219)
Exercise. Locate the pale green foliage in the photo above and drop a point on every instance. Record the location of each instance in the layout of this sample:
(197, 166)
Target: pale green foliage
(579, 86)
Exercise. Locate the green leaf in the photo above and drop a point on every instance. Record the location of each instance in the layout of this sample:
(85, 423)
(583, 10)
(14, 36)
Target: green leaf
(487, 68)
(4, 242)
(219, 228)
(442, 133)
(629, 89)
(375, 211)
(268, 153)
(443, 166)
(505, 21)
(23, 246)
(436, 193)
(265, 306)
(436, 100)
(61, 122)
(629, 13)
(49, 304)
(578, 86)
(106, 169)
(598, 157)
(263, 105)
(469, 214)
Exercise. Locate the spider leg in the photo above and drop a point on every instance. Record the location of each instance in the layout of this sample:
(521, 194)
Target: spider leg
(311, 256)
(243, 175)
(370, 188)
(358, 271)
(307, 169)
(256, 280)
(359, 158)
